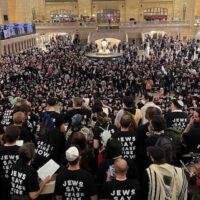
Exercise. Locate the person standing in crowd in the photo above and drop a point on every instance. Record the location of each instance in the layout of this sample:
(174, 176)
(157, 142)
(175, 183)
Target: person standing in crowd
(24, 179)
(86, 152)
(158, 137)
(74, 182)
(177, 119)
(51, 119)
(102, 125)
(129, 106)
(142, 131)
(148, 102)
(8, 157)
(78, 109)
(25, 107)
(127, 136)
(191, 136)
(148, 84)
(113, 152)
(51, 143)
(7, 117)
(103, 130)
(19, 119)
(120, 186)
(163, 181)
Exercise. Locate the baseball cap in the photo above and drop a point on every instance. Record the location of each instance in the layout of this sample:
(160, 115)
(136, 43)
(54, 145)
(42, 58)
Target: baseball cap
(72, 154)
(76, 120)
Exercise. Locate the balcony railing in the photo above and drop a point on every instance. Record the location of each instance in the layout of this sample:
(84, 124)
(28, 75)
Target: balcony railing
(120, 25)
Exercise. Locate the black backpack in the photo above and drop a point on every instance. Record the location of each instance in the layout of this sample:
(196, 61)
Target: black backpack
(167, 144)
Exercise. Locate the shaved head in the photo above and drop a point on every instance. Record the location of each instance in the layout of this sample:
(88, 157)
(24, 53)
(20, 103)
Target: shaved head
(121, 166)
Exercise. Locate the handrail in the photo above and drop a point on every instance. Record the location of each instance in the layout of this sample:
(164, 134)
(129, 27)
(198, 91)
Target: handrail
(131, 23)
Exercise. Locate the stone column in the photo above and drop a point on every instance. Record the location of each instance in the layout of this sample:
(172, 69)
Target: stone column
(1, 49)
(7, 52)
(16, 50)
(133, 9)
(13, 47)
(24, 44)
(85, 7)
(4, 11)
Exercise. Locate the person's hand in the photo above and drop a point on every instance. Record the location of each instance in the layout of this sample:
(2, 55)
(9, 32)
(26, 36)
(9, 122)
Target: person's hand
(181, 139)
(191, 122)
(108, 178)
(47, 179)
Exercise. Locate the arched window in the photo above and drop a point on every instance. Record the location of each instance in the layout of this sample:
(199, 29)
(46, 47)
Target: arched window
(155, 14)
(62, 15)
(108, 16)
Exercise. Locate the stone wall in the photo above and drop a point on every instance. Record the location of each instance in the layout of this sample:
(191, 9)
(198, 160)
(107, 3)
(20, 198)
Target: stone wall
(14, 45)
(197, 8)
(22, 11)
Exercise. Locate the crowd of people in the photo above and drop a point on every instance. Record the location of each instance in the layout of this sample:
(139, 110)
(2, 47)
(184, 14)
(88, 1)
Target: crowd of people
(117, 128)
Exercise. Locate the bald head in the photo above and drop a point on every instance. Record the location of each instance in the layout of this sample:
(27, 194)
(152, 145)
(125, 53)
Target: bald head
(121, 166)
(19, 118)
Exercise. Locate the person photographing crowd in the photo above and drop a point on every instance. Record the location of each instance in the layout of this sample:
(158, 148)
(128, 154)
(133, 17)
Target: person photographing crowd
(120, 186)
(190, 136)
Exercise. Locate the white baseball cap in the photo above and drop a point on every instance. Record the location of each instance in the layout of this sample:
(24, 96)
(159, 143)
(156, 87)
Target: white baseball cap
(72, 154)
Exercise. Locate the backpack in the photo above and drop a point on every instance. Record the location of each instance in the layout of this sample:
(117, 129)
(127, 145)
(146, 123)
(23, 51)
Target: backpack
(77, 124)
(87, 132)
(175, 134)
(46, 122)
(167, 144)
(105, 135)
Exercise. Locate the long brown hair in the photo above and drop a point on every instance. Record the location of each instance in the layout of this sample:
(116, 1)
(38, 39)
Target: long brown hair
(103, 119)
(78, 139)
(128, 121)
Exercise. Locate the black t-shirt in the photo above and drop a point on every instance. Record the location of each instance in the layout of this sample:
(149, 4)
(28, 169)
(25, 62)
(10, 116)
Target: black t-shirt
(77, 184)
(132, 173)
(50, 146)
(142, 158)
(151, 140)
(99, 130)
(128, 189)
(145, 186)
(24, 179)
(192, 140)
(25, 133)
(141, 140)
(8, 157)
(7, 118)
(128, 142)
(57, 118)
(177, 120)
(84, 112)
